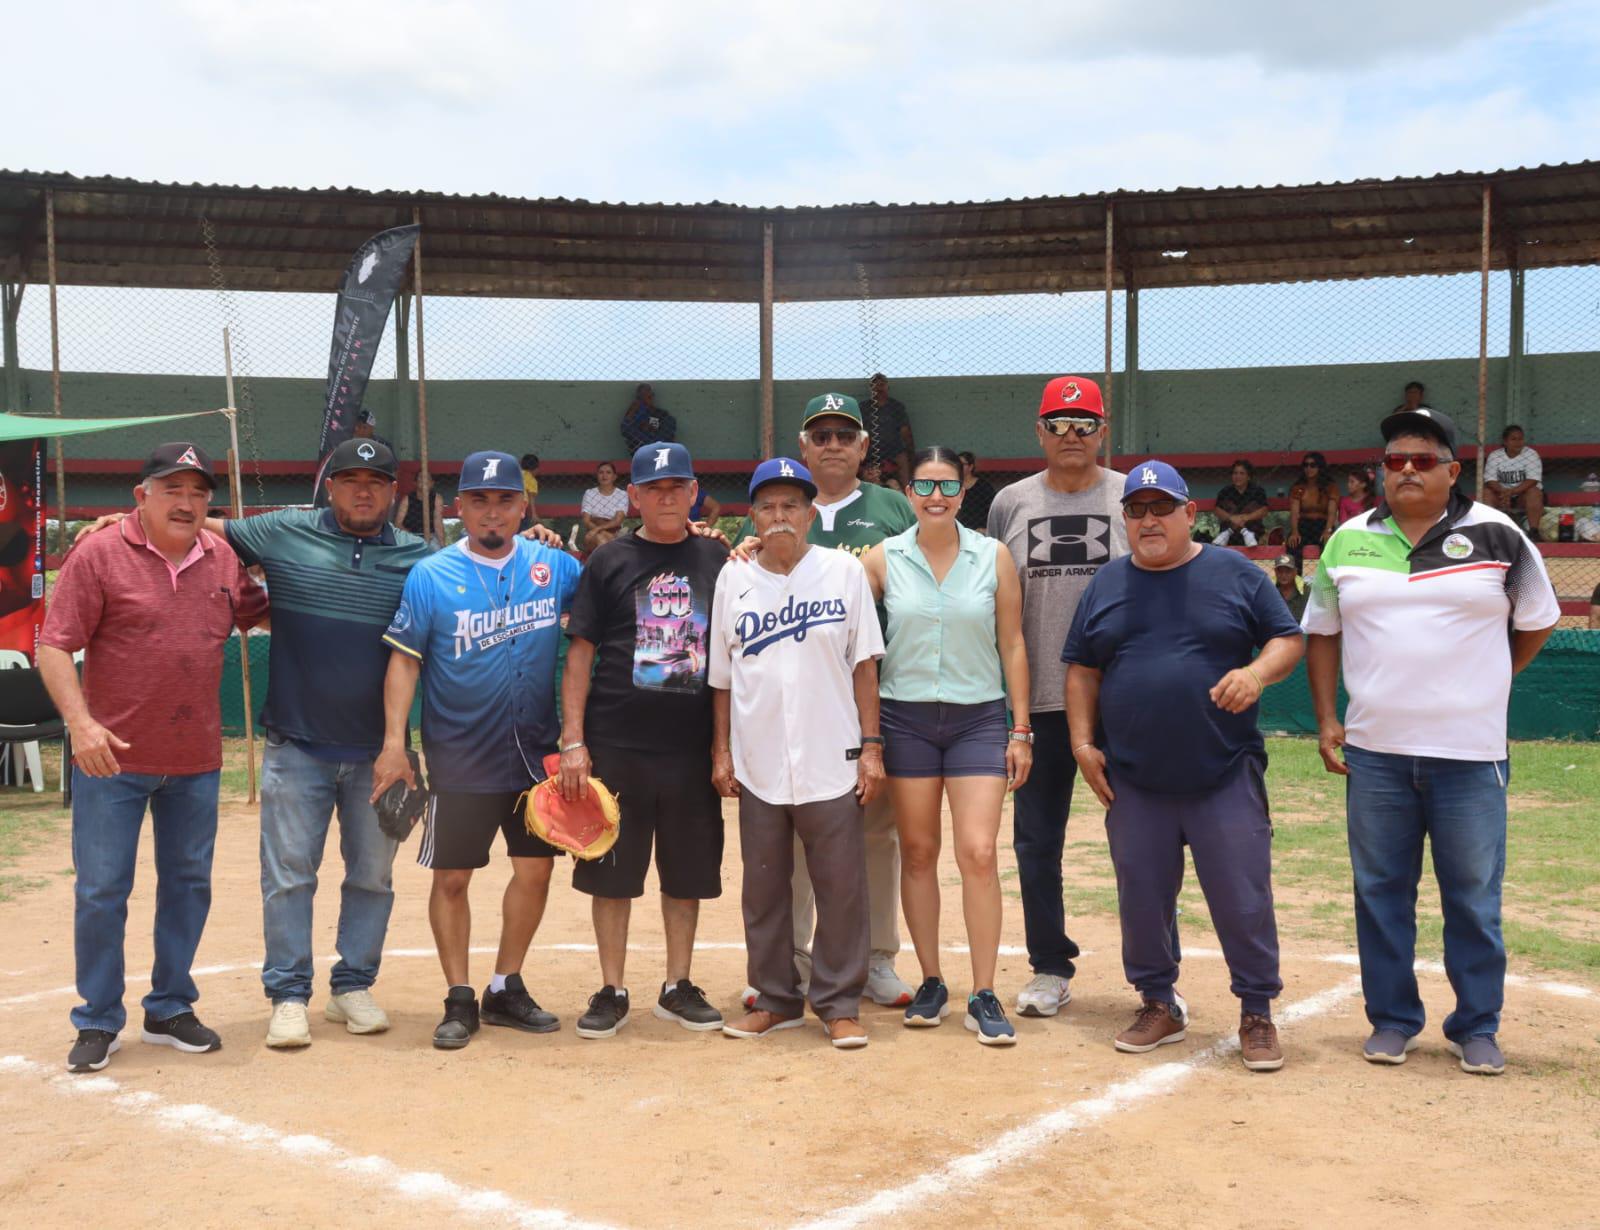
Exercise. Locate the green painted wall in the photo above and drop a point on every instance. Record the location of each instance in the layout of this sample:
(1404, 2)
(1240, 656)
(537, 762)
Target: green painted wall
(1222, 410)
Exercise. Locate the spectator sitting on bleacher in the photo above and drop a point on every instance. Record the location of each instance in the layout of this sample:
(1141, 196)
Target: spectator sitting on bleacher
(1359, 498)
(974, 510)
(1513, 477)
(644, 422)
(1241, 506)
(1291, 585)
(706, 507)
(1313, 506)
(1594, 608)
(1414, 393)
(603, 508)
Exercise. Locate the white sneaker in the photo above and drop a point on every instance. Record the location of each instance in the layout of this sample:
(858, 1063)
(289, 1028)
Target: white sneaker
(884, 986)
(357, 1011)
(1045, 995)
(290, 1027)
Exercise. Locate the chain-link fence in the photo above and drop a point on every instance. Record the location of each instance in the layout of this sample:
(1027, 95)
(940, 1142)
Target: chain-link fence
(1204, 375)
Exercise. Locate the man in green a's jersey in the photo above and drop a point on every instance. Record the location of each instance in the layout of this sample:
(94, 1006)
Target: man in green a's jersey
(852, 516)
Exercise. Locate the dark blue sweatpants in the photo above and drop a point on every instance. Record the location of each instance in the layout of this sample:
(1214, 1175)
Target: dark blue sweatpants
(1229, 832)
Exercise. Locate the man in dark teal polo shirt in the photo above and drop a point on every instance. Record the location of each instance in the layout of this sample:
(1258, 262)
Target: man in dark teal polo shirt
(336, 575)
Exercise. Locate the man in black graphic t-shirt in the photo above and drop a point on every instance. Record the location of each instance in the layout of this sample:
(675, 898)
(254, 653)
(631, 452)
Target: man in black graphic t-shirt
(641, 618)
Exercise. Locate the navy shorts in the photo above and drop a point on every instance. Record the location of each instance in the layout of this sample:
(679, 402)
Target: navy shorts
(932, 739)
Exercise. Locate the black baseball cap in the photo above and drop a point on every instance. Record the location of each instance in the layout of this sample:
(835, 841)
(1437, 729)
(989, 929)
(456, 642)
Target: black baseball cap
(356, 454)
(180, 455)
(1423, 421)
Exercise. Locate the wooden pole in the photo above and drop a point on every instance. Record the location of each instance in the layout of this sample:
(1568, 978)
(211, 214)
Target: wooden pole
(55, 367)
(424, 482)
(1105, 390)
(766, 340)
(1483, 344)
(236, 495)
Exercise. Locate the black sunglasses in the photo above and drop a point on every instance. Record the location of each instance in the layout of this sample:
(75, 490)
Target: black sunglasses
(825, 436)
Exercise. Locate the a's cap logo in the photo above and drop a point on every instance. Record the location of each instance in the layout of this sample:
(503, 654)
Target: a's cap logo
(661, 457)
(367, 266)
(1458, 546)
(188, 458)
(1149, 477)
(830, 402)
(539, 574)
(365, 451)
(1070, 392)
(785, 470)
(490, 468)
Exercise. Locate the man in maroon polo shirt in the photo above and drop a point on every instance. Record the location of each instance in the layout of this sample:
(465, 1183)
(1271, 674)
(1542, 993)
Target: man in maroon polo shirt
(151, 605)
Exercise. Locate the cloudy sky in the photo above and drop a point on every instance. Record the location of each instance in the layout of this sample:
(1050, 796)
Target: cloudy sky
(832, 101)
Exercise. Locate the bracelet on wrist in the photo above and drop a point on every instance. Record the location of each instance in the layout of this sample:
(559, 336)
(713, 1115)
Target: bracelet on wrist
(572, 747)
(1080, 748)
(1257, 678)
(866, 739)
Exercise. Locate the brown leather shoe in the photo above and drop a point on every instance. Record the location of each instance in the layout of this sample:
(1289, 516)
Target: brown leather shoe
(1258, 1043)
(758, 1023)
(846, 1033)
(1155, 1024)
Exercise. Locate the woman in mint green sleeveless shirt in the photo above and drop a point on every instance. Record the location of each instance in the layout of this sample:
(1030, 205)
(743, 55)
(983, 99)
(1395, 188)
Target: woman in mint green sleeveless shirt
(953, 655)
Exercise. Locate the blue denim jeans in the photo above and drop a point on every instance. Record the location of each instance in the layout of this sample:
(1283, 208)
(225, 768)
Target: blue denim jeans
(1039, 835)
(1460, 806)
(299, 797)
(107, 814)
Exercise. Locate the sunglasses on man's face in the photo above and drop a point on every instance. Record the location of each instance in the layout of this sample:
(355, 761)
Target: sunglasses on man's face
(1420, 462)
(1160, 508)
(948, 487)
(1083, 428)
(824, 436)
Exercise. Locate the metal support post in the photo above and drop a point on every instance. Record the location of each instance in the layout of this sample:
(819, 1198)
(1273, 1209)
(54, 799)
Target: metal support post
(424, 482)
(1105, 389)
(55, 367)
(1483, 343)
(767, 430)
(10, 308)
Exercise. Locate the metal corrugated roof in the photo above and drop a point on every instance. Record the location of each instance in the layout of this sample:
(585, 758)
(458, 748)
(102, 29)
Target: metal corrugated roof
(131, 233)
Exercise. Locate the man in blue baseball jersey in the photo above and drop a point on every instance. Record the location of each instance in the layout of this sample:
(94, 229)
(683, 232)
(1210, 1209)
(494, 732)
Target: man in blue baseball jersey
(480, 624)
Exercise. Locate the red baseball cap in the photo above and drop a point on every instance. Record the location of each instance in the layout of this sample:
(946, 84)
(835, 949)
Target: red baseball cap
(1072, 395)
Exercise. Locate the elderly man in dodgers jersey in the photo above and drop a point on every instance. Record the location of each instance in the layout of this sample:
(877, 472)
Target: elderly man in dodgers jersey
(479, 622)
(794, 648)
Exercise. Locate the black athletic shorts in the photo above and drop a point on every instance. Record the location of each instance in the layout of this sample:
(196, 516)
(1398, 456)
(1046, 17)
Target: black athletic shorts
(667, 800)
(458, 830)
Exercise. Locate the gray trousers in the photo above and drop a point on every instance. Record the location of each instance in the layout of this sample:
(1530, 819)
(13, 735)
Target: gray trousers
(832, 835)
(883, 885)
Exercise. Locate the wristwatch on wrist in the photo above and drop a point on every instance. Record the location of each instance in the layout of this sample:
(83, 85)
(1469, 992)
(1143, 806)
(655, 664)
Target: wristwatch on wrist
(1022, 734)
(866, 739)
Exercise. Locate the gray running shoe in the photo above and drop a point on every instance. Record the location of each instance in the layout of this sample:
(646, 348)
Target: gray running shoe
(1480, 1056)
(1388, 1046)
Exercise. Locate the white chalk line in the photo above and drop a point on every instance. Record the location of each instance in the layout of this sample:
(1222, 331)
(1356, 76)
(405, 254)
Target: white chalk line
(1026, 1139)
(206, 1123)
(1564, 990)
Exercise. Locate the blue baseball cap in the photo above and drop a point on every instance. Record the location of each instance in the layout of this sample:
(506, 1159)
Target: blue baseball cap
(1155, 476)
(490, 471)
(782, 470)
(657, 461)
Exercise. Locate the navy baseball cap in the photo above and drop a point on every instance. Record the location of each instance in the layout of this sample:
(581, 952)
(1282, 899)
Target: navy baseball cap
(1155, 476)
(782, 470)
(358, 454)
(657, 461)
(490, 471)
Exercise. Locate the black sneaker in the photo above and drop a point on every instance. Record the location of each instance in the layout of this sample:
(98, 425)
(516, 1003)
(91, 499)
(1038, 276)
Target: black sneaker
(92, 1051)
(987, 1019)
(460, 1020)
(608, 1012)
(516, 1008)
(182, 1032)
(686, 1004)
(929, 1006)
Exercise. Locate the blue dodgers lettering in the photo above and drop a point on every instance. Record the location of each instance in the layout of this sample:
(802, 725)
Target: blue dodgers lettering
(796, 618)
(489, 628)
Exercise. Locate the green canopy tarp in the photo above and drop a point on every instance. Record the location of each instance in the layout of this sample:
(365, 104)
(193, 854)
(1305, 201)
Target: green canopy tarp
(31, 427)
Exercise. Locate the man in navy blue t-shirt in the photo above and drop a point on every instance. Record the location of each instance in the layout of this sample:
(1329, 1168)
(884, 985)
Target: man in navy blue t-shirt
(1163, 684)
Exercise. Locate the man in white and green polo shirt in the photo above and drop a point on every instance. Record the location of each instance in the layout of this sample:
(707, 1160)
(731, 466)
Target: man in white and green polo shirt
(1434, 602)
(852, 516)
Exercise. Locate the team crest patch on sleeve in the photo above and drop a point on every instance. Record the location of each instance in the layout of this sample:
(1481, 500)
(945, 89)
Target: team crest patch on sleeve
(401, 620)
(539, 574)
(1458, 546)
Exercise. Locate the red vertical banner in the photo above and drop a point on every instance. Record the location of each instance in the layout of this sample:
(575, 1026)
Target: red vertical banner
(22, 561)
